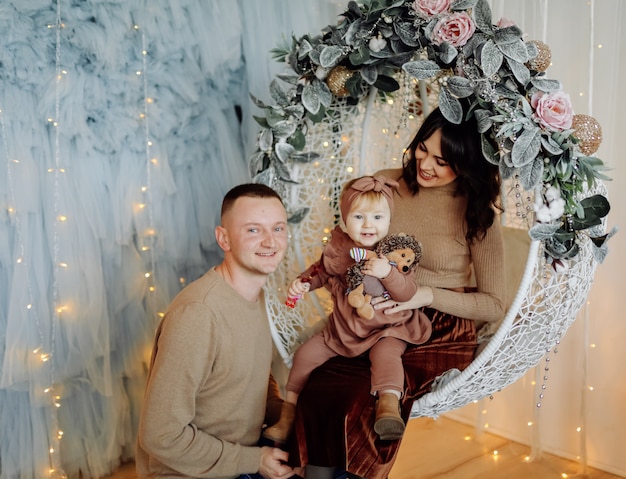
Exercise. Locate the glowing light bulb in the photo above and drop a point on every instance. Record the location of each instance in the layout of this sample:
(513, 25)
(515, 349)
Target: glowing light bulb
(147, 275)
(62, 218)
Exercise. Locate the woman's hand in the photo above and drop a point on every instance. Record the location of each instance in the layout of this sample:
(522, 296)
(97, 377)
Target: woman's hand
(422, 297)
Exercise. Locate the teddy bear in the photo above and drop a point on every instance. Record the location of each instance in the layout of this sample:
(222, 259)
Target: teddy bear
(403, 252)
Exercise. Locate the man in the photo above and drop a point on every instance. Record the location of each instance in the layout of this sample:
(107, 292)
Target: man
(207, 389)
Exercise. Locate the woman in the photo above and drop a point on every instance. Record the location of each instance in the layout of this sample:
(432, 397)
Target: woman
(447, 199)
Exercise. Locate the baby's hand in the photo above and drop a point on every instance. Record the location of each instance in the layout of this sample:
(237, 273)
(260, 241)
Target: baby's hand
(378, 267)
(296, 290)
(298, 287)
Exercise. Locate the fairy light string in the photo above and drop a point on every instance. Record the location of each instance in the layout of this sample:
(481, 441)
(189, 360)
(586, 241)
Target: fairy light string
(55, 434)
(150, 163)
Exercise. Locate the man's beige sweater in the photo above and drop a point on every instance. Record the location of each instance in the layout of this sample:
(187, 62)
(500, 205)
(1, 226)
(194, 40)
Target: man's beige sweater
(207, 387)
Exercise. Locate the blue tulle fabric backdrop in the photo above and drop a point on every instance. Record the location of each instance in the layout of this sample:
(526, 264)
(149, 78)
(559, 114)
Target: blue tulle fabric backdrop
(122, 125)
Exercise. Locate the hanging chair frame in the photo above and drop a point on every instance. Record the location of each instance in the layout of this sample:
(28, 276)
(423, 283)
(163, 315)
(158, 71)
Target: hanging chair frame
(332, 123)
(531, 327)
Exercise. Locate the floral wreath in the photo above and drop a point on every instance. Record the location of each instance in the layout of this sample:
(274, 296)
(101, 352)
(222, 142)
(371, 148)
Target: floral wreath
(526, 121)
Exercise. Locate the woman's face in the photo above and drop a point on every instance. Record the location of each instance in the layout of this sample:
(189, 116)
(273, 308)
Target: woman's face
(432, 169)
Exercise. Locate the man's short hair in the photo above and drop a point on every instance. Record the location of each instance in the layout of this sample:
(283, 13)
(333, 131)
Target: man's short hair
(254, 190)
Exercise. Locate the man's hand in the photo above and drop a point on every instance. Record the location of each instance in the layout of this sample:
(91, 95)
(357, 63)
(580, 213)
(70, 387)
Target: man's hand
(273, 463)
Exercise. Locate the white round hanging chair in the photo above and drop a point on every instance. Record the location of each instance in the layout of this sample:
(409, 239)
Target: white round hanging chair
(367, 130)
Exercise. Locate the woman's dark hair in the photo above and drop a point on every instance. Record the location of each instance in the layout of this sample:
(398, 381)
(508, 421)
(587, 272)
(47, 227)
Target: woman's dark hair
(477, 179)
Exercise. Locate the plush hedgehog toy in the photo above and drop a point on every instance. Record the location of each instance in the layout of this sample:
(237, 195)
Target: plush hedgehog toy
(402, 251)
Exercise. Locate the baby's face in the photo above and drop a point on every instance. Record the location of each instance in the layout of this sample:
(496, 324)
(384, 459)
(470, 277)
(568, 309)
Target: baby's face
(367, 224)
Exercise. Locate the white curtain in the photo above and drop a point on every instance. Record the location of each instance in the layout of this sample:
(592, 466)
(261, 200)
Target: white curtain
(582, 414)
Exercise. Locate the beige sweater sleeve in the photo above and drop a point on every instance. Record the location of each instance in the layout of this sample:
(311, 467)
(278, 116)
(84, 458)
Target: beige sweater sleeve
(487, 302)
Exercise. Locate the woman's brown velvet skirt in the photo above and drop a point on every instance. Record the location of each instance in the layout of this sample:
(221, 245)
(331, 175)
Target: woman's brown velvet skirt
(335, 413)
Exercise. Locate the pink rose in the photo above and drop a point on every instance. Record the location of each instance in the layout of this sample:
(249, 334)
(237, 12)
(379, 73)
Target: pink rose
(553, 110)
(505, 22)
(456, 29)
(429, 8)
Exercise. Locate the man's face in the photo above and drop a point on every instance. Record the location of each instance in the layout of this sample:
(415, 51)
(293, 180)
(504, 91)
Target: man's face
(256, 232)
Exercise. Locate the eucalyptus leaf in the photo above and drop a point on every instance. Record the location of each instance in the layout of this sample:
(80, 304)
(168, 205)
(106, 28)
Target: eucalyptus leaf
(353, 85)
(261, 120)
(450, 107)
(546, 85)
(305, 157)
(359, 56)
(528, 110)
(520, 71)
(323, 92)
(330, 56)
(317, 117)
(462, 5)
(489, 152)
(447, 53)
(490, 58)
(526, 147)
(284, 151)
(482, 16)
(255, 163)
(298, 216)
(541, 231)
(266, 139)
(297, 140)
(284, 129)
(369, 74)
(595, 208)
(274, 115)
(295, 110)
(291, 79)
(283, 173)
(551, 146)
(305, 49)
(386, 84)
(483, 120)
(421, 69)
(310, 99)
(510, 34)
(533, 51)
(531, 174)
(561, 250)
(278, 94)
(407, 33)
(460, 87)
(515, 51)
(257, 102)
(265, 177)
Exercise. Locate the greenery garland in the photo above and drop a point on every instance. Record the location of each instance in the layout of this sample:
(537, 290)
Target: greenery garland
(526, 121)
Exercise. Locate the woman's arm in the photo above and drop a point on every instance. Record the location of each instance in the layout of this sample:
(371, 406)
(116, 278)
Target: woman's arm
(485, 304)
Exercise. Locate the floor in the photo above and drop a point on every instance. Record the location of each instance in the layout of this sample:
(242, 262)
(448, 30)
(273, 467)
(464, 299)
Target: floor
(447, 449)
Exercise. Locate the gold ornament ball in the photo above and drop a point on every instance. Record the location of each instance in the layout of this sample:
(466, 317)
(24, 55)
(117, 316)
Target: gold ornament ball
(336, 80)
(544, 56)
(588, 131)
